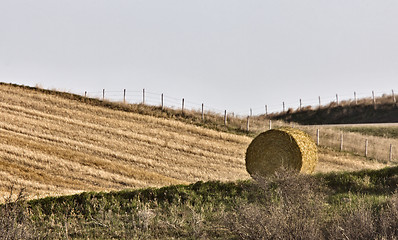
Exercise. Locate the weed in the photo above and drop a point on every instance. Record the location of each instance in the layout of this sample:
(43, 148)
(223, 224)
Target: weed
(291, 208)
(14, 219)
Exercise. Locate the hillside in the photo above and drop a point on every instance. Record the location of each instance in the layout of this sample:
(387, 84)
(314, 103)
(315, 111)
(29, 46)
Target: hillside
(55, 144)
(385, 111)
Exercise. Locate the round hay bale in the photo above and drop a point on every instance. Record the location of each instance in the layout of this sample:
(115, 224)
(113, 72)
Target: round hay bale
(284, 147)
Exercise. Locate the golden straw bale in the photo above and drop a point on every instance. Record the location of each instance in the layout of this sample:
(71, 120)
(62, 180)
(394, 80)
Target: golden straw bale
(283, 147)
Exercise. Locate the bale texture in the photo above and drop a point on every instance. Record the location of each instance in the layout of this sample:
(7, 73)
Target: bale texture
(284, 147)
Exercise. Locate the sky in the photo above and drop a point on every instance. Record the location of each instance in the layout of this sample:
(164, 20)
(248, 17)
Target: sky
(228, 54)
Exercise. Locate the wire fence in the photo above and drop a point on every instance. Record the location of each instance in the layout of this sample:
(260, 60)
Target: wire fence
(159, 99)
(150, 98)
(372, 147)
(356, 98)
(375, 148)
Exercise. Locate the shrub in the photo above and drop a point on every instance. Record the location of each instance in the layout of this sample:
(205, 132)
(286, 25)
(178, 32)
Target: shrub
(292, 206)
(14, 219)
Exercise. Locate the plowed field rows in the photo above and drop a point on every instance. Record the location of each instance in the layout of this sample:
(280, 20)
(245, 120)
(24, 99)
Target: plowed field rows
(50, 145)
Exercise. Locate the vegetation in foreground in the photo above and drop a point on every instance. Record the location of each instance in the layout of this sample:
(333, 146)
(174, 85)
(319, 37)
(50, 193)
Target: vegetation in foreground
(356, 205)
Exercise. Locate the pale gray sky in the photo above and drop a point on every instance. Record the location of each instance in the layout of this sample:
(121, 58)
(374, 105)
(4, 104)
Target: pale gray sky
(229, 54)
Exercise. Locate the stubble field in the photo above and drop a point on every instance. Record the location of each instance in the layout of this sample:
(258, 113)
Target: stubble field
(51, 145)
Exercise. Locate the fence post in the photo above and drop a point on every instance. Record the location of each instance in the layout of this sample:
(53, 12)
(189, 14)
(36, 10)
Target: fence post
(355, 98)
(393, 96)
(266, 110)
(182, 105)
(162, 101)
(203, 113)
(143, 96)
(341, 142)
(270, 124)
(225, 117)
(124, 96)
(248, 124)
(319, 98)
(337, 99)
(300, 104)
(366, 148)
(390, 152)
(85, 93)
(103, 94)
(251, 112)
(317, 137)
(374, 100)
(283, 103)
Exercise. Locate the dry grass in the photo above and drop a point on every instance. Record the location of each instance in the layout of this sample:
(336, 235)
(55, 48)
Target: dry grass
(378, 147)
(51, 145)
(330, 160)
(295, 206)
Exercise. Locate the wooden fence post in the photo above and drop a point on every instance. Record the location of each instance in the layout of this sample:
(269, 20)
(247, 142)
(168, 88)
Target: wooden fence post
(225, 117)
(124, 96)
(103, 94)
(300, 104)
(341, 142)
(317, 137)
(266, 110)
(143, 96)
(248, 124)
(366, 147)
(85, 93)
(182, 105)
(162, 101)
(355, 98)
(203, 113)
(337, 99)
(283, 104)
(393, 96)
(374, 100)
(390, 152)
(319, 99)
(251, 112)
(270, 124)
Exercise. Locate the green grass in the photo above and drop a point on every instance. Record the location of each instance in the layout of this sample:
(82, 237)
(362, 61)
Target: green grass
(387, 132)
(371, 186)
(214, 210)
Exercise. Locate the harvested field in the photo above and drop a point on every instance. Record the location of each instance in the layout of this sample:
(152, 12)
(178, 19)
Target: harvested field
(51, 145)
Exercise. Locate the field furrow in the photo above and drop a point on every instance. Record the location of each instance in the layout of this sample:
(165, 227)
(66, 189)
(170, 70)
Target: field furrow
(59, 145)
(52, 145)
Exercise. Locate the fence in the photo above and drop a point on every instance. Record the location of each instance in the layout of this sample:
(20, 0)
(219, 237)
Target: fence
(378, 148)
(153, 99)
(159, 99)
(357, 98)
(372, 147)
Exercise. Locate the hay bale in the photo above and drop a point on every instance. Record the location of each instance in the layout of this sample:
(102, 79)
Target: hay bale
(284, 147)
